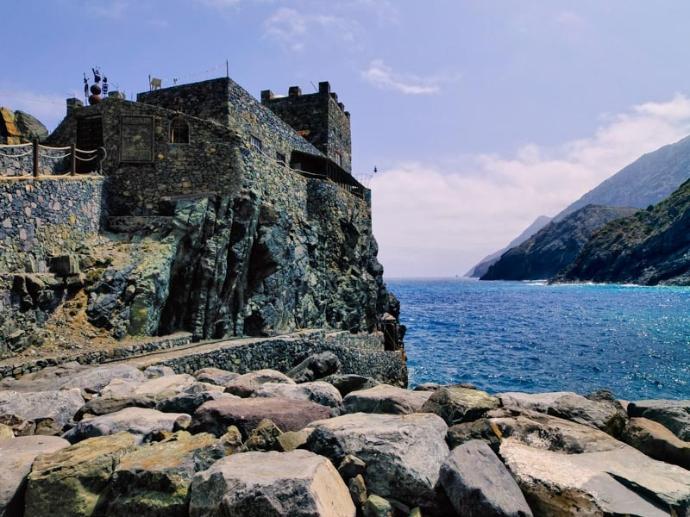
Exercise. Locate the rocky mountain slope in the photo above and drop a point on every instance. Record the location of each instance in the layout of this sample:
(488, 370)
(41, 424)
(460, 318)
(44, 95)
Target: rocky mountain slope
(554, 247)
(646, 181)
(651, 247)
(483, 266)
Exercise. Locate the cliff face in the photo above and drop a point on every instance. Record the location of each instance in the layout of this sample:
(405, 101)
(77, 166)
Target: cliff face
(554, 247)
(483, 266)
(644, 182)
(651, 247)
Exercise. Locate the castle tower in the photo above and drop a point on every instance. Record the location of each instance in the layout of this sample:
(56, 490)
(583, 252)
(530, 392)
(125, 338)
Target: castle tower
(318, 117)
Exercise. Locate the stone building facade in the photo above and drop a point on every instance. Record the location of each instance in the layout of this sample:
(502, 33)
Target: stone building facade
(229, 217)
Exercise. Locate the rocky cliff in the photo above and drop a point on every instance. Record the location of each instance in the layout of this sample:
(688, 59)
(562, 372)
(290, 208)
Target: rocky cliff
(646, 181)
(651, 247)
(483, 266)
(554, 247)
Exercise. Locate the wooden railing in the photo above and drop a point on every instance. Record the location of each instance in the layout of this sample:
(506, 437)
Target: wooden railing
(42, 157)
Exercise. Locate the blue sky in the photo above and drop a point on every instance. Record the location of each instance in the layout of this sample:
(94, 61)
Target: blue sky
(479, 114)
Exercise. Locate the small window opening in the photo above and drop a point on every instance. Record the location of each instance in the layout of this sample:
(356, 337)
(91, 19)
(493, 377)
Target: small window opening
(256, 143)
(281, 159)
(179, 131)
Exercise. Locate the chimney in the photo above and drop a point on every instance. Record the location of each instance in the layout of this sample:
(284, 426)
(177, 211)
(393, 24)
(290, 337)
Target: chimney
(324, 87)
(294, 91)
(72, 104)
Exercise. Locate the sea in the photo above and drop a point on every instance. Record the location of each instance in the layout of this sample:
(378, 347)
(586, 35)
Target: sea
(533, 337)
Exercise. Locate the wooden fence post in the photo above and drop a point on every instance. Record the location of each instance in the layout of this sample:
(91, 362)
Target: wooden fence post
(36, 158)
(73, 155)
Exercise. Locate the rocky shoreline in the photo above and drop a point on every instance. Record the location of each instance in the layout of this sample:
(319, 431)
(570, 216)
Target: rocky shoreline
(116, 440)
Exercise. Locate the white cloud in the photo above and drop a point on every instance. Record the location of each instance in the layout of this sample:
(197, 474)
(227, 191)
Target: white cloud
(114, 9)
(218, 4)
(384, 77)
(49, 108)
(436, 220)
(292, 28)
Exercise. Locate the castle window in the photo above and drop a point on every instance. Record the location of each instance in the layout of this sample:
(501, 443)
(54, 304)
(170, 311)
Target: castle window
(179, 131)
(281, 159)
(256, 143)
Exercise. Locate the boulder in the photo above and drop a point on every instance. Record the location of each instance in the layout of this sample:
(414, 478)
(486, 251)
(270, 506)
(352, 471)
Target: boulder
(154, 480)
(315, 367)
(478, 484)
(105, 405)
(215, 376)
(40, 412)
(190, 399)
(292, 440)
(358, 490)
(271, 484)
(377, 506)
(157, 370)
(318, 391)
(547, 432)
(140, 422)
(620, 481)
(604, 414)
(482, 429)
(73, 375)
(672, 414)
(245, 385)
(456, 404)
(351, 466)
(385, 399)
(6, 432)
(164, 387)
(70, 482)
(16, 457)
(265, 437)
(657, 442)
(288, 414)
(403, 453)
(347, 383)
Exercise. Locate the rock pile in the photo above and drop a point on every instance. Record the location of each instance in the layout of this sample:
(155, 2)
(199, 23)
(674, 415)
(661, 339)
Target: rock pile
(113, 440)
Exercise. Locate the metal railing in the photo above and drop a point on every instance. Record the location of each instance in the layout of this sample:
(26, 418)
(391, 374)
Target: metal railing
(40, 152)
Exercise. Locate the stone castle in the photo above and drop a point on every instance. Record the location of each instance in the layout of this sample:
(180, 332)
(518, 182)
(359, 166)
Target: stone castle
(212, 213)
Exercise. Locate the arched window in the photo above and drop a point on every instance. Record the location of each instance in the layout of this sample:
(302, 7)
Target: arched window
(179, 131)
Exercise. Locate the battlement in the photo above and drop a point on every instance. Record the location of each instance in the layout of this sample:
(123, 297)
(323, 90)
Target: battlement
(318, 117)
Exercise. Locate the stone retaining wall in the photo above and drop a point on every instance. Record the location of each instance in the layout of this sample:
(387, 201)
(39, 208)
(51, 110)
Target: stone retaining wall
(98, 356)
(355, 352)
(45, 216)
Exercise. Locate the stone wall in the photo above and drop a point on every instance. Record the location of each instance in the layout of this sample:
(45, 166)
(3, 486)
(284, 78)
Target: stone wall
(46, 216)
(206, 165)
(319, 118)
(282, 354)
(18, 161)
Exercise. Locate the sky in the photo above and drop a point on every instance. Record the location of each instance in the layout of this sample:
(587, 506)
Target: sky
(479, 115)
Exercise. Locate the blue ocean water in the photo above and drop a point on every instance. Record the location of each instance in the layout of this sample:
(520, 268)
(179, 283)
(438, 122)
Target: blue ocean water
(533, 337)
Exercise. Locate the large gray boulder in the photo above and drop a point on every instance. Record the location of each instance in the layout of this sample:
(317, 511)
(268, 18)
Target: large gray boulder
(245, 385)
(140, 422)
(673, 414)
(552, 433)
(215, 376)
(16, 457)
(657, 442)
(71, 481)
(189, 400)
(315, 367)
(317, 391)
(385, 399)
(457, 404)
(271, 484)
(40, 412)
(403, 453)
(288, 414)
(478, 484)
(607, 415)
(348, 382)
(153, 480)
(619, 481)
